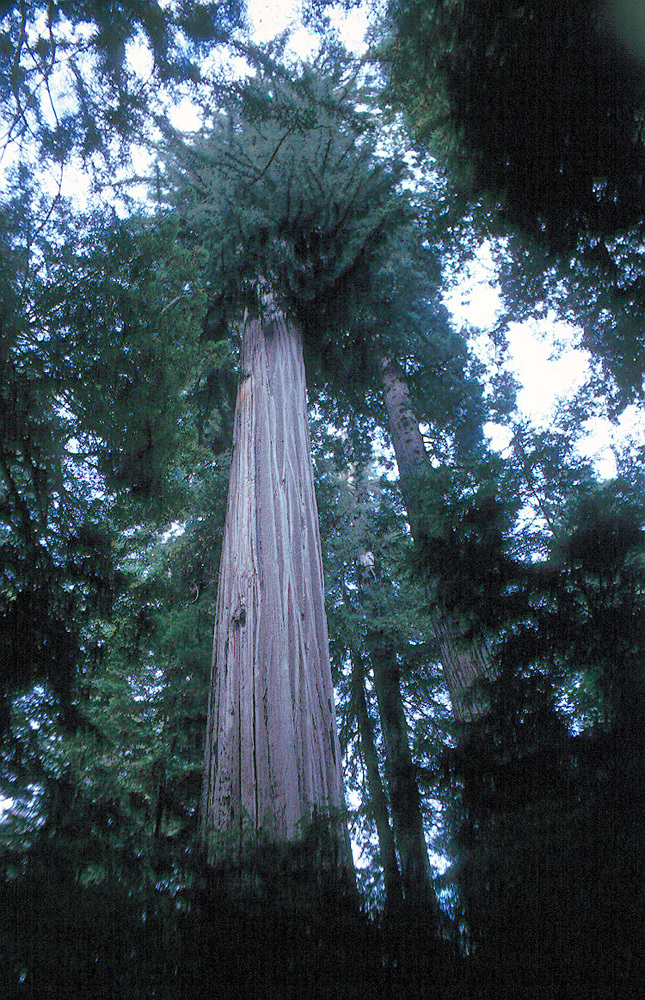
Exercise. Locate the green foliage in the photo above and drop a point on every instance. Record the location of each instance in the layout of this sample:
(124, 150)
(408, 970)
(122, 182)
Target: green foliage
(537, 113)
(287, 194)
(540, 895)
(546, 102)
(82, 930)
(99, 323)
(597, 291)
(130, 776)
(70, 76)
(375, 616)
(118, 367)
(604, 556)
(411, 49)
(280, 921)
(214, 392)
(549, 776)
(123, 311)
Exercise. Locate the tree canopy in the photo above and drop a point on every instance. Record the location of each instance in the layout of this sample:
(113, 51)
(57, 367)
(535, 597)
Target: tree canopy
(494, 851)
(548, 102)
(83, 78)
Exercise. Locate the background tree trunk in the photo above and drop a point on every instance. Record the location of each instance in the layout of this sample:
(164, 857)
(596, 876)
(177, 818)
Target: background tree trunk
(465, 663)
(405, 799)
(401, 775)
(272, 751)
(378, 799)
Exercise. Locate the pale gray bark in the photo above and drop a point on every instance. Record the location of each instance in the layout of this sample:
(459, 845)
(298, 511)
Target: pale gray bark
(272, 751)
(465, 662)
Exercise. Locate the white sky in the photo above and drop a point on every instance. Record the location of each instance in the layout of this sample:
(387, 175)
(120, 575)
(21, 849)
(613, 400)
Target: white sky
(545, 357)
(272, 17)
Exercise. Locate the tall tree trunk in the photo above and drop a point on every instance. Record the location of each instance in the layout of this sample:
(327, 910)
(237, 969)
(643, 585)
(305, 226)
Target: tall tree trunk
(465, 662)
(405, 799)
(272, 752)
(378, 800)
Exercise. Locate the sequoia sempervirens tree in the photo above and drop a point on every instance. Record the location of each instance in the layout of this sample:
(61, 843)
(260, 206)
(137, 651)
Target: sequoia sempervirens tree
(271, 747)
(465, 658)
(290, 201)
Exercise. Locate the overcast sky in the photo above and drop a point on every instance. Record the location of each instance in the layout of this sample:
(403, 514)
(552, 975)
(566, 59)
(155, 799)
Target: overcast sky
(272, 17)
(543, 355)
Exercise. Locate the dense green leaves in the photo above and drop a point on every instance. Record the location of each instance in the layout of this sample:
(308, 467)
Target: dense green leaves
(286, 190)
(131, 328)
(544, 781)
(118, 365)
(99, 326)
(547, 101)
(82, 78)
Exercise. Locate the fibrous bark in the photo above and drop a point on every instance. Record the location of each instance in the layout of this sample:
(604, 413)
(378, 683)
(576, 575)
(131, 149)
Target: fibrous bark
(466, 662)
(272, 751)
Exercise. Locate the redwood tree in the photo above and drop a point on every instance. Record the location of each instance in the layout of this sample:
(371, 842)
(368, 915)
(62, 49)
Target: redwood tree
(294, 207)
(271, 747)
(465, 658)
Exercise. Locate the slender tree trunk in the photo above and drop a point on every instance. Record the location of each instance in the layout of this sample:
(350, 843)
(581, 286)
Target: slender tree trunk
(405, 800)
(378, 800)
(272, 752)
(401, 774)
(465, 662)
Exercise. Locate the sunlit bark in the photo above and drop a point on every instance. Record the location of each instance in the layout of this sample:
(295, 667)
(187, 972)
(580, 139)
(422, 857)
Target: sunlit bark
(272, 751)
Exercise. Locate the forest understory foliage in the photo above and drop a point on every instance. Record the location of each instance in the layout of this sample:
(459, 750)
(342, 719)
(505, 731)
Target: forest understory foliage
(483, 617)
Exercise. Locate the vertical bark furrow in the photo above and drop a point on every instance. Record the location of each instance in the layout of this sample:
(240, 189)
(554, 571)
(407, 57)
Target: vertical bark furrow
(271, 705)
